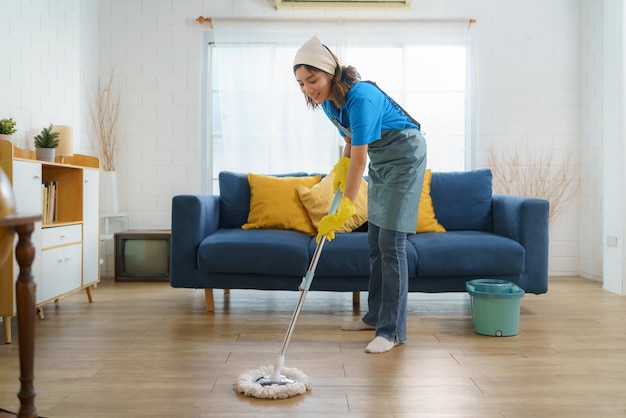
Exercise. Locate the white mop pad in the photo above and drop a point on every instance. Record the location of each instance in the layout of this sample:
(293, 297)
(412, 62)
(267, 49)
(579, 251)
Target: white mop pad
(246, 383)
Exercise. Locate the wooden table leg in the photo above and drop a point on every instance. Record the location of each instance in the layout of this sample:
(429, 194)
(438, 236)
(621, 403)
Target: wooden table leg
(25, 300)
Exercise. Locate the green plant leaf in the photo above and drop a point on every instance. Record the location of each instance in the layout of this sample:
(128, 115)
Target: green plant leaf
(47, 138)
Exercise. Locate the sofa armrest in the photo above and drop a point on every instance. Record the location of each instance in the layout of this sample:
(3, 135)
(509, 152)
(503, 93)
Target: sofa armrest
(194, 217)
(526, 221)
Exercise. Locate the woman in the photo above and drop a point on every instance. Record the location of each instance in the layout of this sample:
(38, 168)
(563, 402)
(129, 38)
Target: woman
(372, 125)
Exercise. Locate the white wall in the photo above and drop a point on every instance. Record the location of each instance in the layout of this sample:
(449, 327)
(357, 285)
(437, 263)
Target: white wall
(43, 66)
(590, 253)
(539, 75)
(528, 93)
(614, 130)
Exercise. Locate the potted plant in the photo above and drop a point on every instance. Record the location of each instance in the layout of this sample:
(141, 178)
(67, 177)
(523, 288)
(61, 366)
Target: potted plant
(45, 144)
(7, 128)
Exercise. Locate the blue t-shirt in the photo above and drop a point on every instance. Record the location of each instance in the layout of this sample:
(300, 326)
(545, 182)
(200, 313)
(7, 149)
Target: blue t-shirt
(367, 112)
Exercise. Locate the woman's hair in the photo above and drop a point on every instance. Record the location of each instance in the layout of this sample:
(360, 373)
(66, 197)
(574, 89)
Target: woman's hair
(344, 78)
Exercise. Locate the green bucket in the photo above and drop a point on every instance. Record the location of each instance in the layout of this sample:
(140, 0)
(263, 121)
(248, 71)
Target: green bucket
(495, 306)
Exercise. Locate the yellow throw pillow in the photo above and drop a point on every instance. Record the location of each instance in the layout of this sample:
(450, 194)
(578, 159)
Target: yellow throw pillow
(317, 201)
(274, 203)
(426, 220)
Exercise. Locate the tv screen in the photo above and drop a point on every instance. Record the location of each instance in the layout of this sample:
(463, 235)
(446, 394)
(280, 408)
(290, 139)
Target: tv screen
(142, 256)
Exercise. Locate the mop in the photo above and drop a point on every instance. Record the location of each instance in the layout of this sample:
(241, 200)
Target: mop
(277, 381)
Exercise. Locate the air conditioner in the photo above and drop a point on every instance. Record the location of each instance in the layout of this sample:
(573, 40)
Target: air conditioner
(349, 4)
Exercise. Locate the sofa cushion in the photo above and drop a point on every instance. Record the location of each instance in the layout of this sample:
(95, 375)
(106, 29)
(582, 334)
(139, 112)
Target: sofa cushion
(344, 256)
(462, 200)
(426, 219)
(348, 256)
(257, 251)
(274, 203)
(235, 197)
(317, 201)
(467, 253)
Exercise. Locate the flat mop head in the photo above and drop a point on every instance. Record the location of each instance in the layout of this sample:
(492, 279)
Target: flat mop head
(264, 383)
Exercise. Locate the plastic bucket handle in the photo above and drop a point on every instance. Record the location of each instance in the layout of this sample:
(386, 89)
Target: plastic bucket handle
(492, 285)
(513, 292)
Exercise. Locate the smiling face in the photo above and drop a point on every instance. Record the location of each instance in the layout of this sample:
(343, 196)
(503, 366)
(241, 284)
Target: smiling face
(315, 84)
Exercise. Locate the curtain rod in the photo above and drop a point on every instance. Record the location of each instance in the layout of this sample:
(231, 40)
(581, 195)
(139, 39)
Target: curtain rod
(210, 20)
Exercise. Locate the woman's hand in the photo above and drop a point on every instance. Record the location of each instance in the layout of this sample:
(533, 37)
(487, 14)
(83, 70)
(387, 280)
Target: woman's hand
(330, 223)
(341, 173)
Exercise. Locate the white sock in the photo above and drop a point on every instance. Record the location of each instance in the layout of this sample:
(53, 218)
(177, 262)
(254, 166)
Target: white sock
(358, 325)
(379, 345)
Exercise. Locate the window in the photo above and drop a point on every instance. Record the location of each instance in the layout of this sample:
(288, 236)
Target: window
(260, 122)
(430, 83)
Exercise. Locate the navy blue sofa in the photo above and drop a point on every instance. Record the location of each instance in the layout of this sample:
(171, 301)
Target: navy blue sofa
(487, 236)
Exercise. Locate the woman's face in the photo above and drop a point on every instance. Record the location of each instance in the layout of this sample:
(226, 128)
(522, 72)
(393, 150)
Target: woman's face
(315, 84)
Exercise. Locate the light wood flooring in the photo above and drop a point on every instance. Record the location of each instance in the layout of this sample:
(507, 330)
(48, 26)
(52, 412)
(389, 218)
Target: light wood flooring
(147, 350)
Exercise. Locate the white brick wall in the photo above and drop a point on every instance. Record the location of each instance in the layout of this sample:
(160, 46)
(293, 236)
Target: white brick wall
(590, 257)
(50, 55)
(528, 93)
(44, 66)
(539, 73)
(148, 44)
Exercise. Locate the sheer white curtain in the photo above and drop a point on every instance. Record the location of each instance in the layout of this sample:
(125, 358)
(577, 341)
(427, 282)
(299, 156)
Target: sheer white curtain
(258, 120)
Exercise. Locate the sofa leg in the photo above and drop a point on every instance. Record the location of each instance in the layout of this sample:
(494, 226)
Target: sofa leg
(356, 298)
(226, 292)
(208, 297)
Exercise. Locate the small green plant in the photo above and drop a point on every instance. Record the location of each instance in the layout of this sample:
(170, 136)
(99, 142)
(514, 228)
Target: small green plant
(7, 126)
(47, 138)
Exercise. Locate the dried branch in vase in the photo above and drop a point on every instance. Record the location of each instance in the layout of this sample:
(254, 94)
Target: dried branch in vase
(103, 115)
(535, 174)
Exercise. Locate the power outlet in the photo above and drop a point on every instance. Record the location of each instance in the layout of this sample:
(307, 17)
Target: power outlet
(611, 241)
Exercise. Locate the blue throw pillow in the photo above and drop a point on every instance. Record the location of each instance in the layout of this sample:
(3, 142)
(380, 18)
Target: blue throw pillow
(462, 200)
(234, 199)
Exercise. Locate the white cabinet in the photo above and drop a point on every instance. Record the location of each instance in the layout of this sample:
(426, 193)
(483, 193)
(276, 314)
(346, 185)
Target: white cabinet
(61, 235)
(27, 190)
(27, 186)
(63, 270)
(91, 226)
(62, 256)
(66, 242)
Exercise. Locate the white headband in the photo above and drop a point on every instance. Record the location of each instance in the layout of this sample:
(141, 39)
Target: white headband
(316, 55)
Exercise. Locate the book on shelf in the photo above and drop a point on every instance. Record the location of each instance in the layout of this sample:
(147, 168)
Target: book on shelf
(49, 199)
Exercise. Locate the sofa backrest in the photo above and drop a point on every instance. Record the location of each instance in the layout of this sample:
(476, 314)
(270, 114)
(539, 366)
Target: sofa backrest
(462, 200)
(235, 197)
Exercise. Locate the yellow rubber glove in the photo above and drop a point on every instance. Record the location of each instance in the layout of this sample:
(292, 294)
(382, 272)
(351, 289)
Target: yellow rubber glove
(330, 223)
(341, 173)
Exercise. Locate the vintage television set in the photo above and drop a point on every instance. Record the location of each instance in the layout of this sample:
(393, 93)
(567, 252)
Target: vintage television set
(142, 256)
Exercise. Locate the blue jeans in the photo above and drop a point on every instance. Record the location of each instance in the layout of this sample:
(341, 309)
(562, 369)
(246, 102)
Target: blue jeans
(388, 284)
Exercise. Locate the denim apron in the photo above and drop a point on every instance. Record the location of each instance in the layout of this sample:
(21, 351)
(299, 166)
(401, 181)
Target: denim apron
(396, 176)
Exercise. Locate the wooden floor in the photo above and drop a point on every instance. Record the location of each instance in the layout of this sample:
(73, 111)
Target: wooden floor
(147, 350)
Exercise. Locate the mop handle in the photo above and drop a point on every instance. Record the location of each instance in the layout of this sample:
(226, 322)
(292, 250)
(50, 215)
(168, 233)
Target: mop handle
(308, 278)
(306, 281)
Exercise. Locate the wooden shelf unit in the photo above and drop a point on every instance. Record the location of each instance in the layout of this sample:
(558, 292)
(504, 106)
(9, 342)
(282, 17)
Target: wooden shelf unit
(66, 250)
